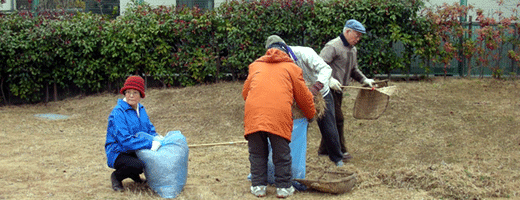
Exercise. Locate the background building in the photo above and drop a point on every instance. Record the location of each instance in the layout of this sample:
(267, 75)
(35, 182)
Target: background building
(204, 4)
(490, 7)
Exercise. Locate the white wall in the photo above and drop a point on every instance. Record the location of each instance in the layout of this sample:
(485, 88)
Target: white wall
(124, 4)
(8, 5)
(488, 6)
(217, 3)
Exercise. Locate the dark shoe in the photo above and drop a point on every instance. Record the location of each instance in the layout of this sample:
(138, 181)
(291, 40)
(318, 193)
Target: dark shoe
(137, 178)
(116, 184)
(346, 156)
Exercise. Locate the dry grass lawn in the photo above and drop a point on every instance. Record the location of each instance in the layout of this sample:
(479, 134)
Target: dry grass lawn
(438, 139)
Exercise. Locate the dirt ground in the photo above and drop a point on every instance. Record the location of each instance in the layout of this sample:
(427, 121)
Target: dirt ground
(438, 139)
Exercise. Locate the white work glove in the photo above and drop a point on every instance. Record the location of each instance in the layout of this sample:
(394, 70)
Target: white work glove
(160, 137)
(155, 145)
(368, 82)
(334, 84)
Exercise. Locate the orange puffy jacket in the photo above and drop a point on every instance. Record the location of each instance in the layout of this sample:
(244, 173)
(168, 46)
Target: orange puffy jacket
(273, 83)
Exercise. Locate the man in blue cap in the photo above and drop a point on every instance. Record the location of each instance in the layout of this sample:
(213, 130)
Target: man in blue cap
(341, 55)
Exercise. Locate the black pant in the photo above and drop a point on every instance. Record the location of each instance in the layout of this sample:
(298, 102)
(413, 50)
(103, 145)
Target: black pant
(340, 120)
(258, 157)
(330, 142)
(127, 165)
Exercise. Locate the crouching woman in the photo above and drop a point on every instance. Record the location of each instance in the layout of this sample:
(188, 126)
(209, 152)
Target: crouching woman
(127, 119)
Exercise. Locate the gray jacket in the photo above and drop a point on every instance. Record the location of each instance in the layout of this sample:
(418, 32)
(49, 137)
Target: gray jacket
(342, 60)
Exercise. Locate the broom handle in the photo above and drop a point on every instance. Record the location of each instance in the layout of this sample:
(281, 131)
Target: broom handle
(366, 88)
(357, 87)
(216, 144)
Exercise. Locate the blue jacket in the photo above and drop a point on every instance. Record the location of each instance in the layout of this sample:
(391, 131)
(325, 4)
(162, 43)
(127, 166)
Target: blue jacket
(123, 125)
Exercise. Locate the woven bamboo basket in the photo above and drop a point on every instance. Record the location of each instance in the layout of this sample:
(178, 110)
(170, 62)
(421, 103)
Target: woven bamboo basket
(338, 186)
(371, 103)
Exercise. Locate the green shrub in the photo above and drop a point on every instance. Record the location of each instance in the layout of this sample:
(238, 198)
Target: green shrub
(178, 45)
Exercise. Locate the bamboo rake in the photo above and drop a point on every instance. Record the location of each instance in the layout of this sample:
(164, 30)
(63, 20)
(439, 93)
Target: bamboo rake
(216, 144)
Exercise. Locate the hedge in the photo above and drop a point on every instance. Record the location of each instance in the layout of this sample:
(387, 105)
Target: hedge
(188, 46)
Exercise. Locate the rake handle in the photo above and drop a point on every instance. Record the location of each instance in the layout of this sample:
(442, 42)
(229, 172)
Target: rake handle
(367, 88)
(357, 87)
(216, 144)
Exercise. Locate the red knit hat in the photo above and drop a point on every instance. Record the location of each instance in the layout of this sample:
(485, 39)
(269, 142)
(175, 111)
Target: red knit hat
(134, 82)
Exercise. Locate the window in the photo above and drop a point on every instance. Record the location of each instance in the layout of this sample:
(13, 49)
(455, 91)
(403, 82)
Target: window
(202, 4)
(23, 5)
(102, 7)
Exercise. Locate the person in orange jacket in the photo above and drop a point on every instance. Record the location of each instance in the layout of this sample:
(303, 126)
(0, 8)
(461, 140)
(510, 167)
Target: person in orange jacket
(274, 82)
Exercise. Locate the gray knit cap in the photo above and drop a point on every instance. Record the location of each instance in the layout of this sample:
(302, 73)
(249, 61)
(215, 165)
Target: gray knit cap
(273, 39)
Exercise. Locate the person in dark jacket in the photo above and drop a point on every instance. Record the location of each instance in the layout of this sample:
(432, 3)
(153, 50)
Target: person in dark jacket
(341, 55)
(127, 119)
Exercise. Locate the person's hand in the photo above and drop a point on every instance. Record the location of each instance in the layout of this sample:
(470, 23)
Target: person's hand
(334, 84)
(315, 89)
(155, 145)
(368, 82)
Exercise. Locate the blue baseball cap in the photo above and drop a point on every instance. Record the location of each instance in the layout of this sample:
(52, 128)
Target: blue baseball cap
(355, 25)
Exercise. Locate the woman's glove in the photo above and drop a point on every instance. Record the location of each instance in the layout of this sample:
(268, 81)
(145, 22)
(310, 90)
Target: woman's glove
(334, 84)
(155, 145)
(368, 82)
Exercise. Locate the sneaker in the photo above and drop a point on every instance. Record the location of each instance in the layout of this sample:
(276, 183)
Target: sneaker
(284, 192)
(339, 163)
(259, 191)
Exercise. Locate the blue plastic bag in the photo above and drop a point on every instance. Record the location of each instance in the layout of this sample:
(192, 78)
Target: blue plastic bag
(298, 148)
(166, 169)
